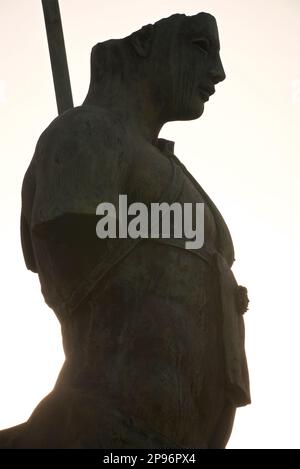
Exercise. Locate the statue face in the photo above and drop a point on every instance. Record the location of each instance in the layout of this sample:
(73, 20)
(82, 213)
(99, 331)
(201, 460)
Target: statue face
(195, 66)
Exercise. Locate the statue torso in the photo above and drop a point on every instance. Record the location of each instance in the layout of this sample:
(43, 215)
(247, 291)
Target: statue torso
(148, 333)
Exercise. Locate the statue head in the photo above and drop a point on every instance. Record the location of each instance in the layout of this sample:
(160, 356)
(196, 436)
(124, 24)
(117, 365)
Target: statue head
(174, 63)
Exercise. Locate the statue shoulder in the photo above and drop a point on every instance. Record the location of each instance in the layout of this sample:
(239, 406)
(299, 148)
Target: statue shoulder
(84, 126)
(80, 159)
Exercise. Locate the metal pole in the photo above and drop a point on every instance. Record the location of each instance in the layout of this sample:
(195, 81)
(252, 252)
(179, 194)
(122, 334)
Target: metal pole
(58, 55)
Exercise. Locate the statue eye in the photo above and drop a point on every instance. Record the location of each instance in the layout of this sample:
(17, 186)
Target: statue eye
(203, 44)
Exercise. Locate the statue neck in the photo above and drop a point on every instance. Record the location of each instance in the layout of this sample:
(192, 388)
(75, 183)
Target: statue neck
(137, 110)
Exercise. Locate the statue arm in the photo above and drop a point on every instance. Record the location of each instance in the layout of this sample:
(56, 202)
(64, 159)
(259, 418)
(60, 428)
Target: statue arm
(79, 162)
(78, 165)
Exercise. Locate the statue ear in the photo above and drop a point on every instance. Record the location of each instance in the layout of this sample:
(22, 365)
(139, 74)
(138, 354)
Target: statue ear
(141, 40)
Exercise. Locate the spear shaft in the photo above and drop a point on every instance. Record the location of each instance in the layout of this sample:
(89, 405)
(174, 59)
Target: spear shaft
(58, 56)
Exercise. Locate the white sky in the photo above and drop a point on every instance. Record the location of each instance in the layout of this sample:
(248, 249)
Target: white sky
(244, 151)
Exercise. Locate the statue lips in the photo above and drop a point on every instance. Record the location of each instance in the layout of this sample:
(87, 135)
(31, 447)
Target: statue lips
(206, 93)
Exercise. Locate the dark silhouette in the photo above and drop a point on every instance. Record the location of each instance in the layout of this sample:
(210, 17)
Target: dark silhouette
(152, 332)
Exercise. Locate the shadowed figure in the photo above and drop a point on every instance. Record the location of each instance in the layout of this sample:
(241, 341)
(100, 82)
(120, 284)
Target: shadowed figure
(153, 333)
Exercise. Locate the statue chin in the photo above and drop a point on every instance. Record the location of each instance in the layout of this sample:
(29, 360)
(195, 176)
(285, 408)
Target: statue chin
(199, 111)
(194, 112)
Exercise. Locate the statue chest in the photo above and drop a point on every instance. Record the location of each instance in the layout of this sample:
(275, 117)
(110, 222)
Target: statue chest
(159, 179)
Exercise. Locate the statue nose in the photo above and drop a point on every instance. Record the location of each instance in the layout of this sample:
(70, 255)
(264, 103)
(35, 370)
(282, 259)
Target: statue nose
(217, 72)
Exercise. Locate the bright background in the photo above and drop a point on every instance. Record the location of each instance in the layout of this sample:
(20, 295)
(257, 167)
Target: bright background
(244, 151)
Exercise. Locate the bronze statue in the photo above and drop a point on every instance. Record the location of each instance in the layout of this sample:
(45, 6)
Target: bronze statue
(152, 332)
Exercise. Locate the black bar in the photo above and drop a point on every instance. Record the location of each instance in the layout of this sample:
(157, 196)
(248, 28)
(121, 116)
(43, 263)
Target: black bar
(58, 55)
